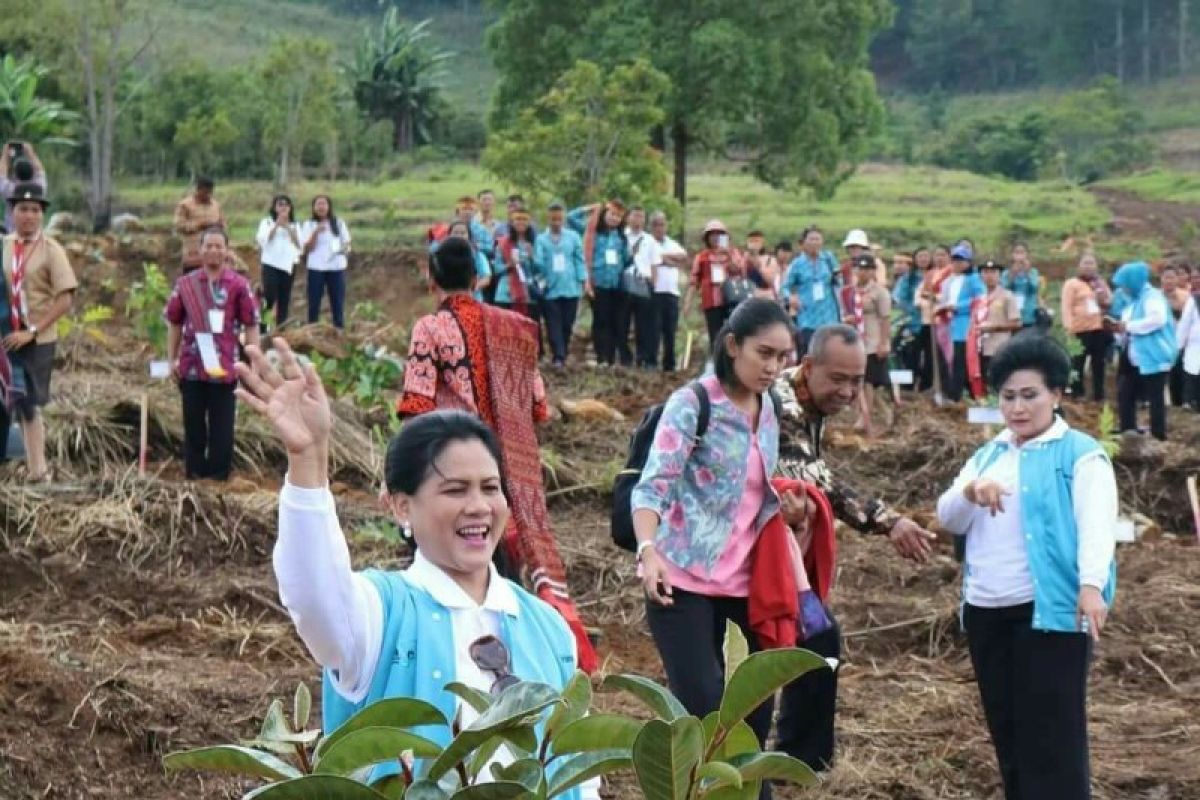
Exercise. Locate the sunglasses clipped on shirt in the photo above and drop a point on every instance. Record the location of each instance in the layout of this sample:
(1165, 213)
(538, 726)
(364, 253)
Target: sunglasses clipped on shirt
(491, 655)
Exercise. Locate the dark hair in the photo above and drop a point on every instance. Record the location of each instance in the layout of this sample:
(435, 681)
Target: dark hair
(750, 318)
(516, 237)
(810, 229)
(945, 248)
(602, 222)
(291, 207)
(515, 198)
(412, 452)
(783, 244)
(482, 192)
(921, 250)
(470, 237)
(1035, 351)
(632, 209)
(333, 220)
(1169, 268)
(213, 230)
(205, 182)
(556, 206)
(452, 265)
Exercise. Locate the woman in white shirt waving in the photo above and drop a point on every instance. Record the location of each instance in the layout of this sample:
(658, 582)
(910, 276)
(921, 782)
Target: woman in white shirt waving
(448, 617)
(1038, 505)
(278, 240)
(326, 246)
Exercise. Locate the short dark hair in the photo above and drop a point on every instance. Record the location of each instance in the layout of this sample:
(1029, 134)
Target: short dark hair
(750, 318)
(810, 229)
(516, 198)
(421, 441)
(635, 208)
(452, 265)
(482, 192)
(556, 206)
(213, 230)
(205, 182)
(825, 334)
(783, 244)
(1032, 350)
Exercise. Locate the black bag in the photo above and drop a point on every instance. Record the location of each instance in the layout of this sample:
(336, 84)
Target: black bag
(635, 285)
(639, 451)
(735, 290)
(621, 525)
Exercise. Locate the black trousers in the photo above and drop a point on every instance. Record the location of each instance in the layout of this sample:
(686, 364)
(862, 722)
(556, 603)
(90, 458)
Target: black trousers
(803, 337)
(607, 308)
(926, 355)
(954, 380)
(277, 292)
(1096, 345)
(560, 321)
(1033, 685)
(640, 312)
(1175, 382)
(333, 282)
(1132, 385)
(689, 636)
(1191, 391)
(714, 318)
(665, 307)
(208, 419)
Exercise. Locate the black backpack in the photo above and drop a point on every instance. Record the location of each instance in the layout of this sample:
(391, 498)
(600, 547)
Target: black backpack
(621, 527)
(639, 451)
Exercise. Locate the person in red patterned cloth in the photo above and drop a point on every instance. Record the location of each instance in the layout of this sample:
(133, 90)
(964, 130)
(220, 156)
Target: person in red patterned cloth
(483, 360)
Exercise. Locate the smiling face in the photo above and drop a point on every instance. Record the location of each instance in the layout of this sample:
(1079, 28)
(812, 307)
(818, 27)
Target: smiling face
(459, 511)
(1028, 404)
(213, 249)
(612, 217)
(758, 359)
(835, 380)
(27, 218)
(813, 243)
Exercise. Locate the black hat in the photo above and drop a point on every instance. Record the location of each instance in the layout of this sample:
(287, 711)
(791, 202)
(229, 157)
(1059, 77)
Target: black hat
(990, 264)
(28, 191)
(864, 262)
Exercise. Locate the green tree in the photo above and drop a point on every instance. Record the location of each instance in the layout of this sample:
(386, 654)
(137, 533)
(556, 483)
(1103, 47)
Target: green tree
(1016, 148)
(23, 113)
(396, 76)
(299, 85)
(586, 137)
(202, 136)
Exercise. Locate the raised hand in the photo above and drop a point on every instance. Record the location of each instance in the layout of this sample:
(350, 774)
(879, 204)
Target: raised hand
(292, 399)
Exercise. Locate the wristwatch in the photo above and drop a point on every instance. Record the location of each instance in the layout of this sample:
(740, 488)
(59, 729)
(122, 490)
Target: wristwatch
(33, 329)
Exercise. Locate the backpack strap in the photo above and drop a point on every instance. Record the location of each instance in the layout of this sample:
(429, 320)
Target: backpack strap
(705, 411)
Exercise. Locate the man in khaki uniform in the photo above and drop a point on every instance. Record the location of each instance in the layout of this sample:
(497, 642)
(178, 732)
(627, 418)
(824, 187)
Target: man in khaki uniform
(194, 214)
(39, 288)
(868, 307)
(1002, 316)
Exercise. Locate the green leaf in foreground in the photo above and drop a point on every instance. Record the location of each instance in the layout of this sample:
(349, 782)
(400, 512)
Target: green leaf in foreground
(664, 704)
(736, 649)
(232, 759)
(597, 732)
(774, 767)
(316, 787)
(395, 712)
(760, 676)
(367, 746)
(664, 756)
(580, 768)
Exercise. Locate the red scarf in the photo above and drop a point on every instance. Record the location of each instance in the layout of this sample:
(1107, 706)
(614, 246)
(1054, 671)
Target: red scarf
(774, 602)
(516, 284)
(21, 256)
(853, 305)
(979, 314)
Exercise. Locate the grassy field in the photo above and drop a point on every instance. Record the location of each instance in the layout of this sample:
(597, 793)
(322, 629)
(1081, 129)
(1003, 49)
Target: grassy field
(236, 32)
(899, 206)
(1161, 184)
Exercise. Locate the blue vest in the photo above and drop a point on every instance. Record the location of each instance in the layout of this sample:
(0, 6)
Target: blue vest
(1154, 352)
(417, 656)
(1046, 475)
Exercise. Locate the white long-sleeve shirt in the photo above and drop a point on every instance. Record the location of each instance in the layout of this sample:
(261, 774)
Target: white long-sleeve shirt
(277, 245)
(339, 613)
(996, 554)
(1188, 336)
(329, 251)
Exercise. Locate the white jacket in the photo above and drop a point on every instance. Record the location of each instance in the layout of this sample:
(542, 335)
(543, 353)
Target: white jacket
(1188, 336)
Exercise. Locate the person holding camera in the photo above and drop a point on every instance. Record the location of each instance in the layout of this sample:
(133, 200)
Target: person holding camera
(40, 288)
(19, 164)
(195, 214)
(278, 240)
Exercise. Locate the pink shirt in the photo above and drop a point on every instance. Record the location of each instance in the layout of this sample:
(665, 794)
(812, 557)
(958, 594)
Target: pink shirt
(731, 576)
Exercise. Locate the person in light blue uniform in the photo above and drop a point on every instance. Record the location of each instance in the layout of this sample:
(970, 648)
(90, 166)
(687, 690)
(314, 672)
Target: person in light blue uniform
(1025, 282)
(811, 287)
(1037, 506)
(561, 275)
(603, 230)
(1148, 347)
(958, 293)
(382, 634)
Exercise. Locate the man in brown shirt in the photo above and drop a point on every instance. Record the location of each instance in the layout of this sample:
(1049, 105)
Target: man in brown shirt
(40, 286)
(868, 307)
(195, 213)
(1002, 315)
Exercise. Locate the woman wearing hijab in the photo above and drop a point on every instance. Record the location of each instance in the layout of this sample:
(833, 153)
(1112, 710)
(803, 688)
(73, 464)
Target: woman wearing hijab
(1148, 348)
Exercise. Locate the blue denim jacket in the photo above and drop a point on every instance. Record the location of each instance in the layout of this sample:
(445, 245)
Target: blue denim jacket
(696, 486)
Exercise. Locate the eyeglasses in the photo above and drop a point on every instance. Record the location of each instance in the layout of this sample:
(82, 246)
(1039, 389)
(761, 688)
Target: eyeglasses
(490, 655)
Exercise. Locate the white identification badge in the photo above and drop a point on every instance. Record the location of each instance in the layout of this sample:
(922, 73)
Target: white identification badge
(208, 354)
(818, 292)
(718, 273)
(160, 370)
(216, 320)
(901, 377)
(1092, 306)
(610, 257)
(1020, 303)
(560, 262)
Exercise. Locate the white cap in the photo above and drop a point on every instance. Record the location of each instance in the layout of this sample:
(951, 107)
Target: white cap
(857, 237)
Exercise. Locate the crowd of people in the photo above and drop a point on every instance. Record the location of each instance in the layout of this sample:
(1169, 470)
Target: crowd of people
(734, 508)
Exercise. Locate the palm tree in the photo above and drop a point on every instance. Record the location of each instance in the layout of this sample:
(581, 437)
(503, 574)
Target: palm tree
(396, 76)
(25, 116)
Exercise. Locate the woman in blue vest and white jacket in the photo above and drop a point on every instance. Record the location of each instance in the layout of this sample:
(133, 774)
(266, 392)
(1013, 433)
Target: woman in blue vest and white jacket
(1038, 508)
(1148, 348)
(448, 617)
